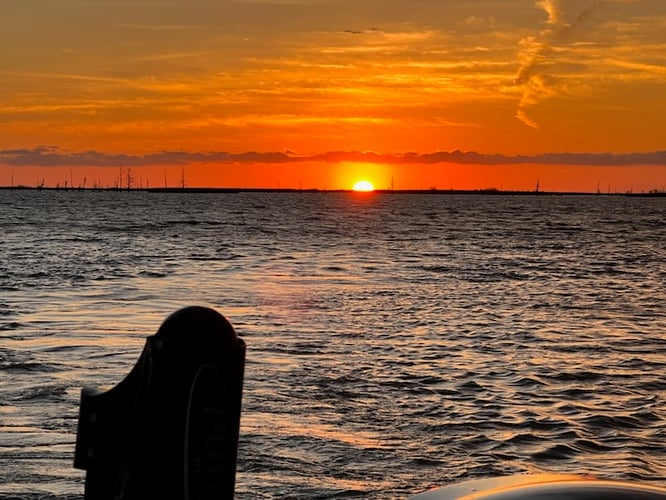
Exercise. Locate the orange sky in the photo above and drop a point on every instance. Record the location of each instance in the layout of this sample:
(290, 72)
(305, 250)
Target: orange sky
(166, 87)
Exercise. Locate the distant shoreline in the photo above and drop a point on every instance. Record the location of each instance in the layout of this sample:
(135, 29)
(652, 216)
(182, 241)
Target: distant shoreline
(489, 191)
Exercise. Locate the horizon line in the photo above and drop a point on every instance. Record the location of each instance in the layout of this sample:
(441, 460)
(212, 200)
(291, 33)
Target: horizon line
(233, 190)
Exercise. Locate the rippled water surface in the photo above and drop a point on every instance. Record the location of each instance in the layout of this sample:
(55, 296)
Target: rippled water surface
(395, 342)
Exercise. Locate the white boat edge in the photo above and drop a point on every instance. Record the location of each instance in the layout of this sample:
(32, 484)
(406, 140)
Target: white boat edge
(526, 486)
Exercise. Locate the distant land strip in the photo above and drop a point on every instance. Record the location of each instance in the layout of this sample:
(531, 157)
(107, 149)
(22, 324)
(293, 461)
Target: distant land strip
(433, 191)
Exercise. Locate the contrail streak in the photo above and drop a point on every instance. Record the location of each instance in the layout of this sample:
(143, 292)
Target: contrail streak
(536, 51)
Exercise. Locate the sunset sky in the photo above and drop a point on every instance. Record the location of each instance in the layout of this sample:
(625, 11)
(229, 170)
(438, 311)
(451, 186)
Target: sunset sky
(322, 93)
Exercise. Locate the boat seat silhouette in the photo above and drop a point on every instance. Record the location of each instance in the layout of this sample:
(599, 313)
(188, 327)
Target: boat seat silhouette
(170, 428)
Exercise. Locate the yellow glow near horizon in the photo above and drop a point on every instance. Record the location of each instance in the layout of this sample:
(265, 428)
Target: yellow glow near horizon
(364, 186)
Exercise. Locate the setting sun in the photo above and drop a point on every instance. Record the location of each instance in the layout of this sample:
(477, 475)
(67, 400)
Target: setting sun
(364, 186)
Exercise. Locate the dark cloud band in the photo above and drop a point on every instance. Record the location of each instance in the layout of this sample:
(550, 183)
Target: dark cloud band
(51, 156)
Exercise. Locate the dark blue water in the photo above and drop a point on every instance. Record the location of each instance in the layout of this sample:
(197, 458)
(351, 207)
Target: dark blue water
(395, 342)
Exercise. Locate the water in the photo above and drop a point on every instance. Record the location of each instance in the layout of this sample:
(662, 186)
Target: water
(395, 342)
